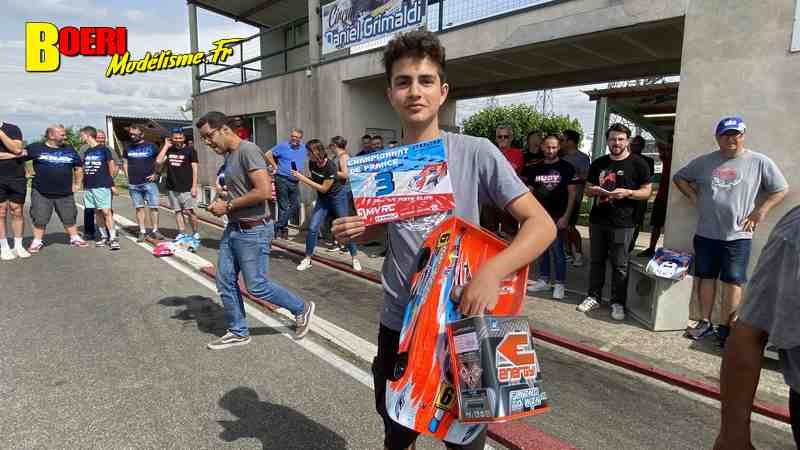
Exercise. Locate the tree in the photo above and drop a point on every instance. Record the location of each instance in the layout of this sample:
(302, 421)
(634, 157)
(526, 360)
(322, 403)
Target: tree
(523, 119)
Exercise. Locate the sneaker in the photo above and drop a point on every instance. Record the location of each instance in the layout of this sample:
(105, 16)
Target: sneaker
(196, 236)
(79, 243)
(589, 304)
(617, 311)
(303, 320)
(157, 236)
(113, 244)
(558, 291)
(538, 285)
(577, 260)
(356, 265)
(7, 255)
(36, 248)
(343, 249)
(229, 340)
(100, 242)
(722, 333)
(304, 264)
(569, 258)
(142, 237)
(648, 253)
(701, 330)
(180, 236)
(21, 252)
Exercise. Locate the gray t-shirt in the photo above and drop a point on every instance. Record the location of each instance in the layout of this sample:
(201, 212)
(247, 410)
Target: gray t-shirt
(580, 162)
(238, 165)
(480, 175)
(772, 303)
(727, 190)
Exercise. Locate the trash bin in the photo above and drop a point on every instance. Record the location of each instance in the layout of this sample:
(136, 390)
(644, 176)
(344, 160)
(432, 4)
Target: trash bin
(658, 303)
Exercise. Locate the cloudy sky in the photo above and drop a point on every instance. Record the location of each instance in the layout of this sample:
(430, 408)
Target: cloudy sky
(79, 94)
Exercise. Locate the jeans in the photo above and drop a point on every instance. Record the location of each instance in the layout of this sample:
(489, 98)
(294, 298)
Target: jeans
(144, 193)
(89, 228)
(288, 201)
(336, 204)
(247, 252)
(557, 250)
(794, 414)
(609, 243)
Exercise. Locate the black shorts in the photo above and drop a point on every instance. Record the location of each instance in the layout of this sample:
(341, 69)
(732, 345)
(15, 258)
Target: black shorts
(659, 215)
(13, 190)
(396, 436)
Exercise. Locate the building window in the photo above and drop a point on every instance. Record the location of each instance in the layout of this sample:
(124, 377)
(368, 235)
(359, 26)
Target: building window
(796, 32)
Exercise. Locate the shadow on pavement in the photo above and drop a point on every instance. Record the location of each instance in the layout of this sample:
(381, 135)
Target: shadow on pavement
(276, 426)
(209, 315)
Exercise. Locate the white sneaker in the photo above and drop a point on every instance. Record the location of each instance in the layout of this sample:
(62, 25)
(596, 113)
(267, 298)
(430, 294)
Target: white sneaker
(538, 285)
(617, 311)
(558, 291)
(21, 252)
(304, 264)
(577, 261)
(589, 304)
(7, 255)
(356, 265)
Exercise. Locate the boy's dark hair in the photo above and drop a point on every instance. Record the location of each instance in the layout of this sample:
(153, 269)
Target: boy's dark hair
(572, 135)
(619, 128)
(339, 141)
(378, 137)
(416, 44)
(533, 133)
(214, 119)
(90, 130)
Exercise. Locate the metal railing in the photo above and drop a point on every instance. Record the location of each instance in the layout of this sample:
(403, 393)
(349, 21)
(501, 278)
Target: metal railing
(442, 16)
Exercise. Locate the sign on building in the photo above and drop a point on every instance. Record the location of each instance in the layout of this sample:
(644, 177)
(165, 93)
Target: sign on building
(346, 23)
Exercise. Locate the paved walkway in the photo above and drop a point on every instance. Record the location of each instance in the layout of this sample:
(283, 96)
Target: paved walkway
(668, 350)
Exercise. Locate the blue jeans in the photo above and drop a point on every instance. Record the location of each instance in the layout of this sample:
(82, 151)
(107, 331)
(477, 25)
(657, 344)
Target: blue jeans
(145, 192)
(557, 250)
(247, 252)
(288, 201)
(336, 204)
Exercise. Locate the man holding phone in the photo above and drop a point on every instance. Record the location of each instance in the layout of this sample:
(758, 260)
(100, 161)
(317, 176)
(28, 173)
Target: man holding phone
(286, 157)
(616, 181)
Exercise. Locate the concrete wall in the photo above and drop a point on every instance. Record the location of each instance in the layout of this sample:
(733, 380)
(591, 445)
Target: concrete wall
(736, 60)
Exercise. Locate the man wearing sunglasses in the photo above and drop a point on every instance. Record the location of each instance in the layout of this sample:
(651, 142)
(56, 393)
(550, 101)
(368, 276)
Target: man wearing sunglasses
(494, 219)
(139, 165)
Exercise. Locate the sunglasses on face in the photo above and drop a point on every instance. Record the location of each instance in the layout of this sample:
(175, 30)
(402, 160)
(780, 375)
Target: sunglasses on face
(503, 136)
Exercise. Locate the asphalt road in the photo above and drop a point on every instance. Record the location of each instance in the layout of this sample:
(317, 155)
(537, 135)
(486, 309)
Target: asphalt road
(107, 350)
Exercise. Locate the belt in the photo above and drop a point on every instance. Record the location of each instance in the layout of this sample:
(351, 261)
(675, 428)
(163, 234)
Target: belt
(250, 224)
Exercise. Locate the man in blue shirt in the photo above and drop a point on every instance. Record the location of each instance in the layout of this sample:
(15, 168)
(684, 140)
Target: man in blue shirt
(99, 169)
(282, 158)
(54, 186)
(140, 162)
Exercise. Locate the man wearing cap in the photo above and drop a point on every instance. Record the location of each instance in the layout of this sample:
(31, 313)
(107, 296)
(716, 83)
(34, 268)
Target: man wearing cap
(723, 185)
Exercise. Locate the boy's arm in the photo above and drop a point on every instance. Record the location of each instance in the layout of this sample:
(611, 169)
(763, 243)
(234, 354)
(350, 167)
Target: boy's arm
(536, 233)
(194, 179)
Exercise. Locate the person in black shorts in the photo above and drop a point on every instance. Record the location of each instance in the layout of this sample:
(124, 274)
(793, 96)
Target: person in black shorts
(13, 190)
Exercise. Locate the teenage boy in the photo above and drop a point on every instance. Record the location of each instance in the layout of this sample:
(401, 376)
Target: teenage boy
(551, 182)
(415, 70)
(181, 161)
(140, 166)
(99, 168)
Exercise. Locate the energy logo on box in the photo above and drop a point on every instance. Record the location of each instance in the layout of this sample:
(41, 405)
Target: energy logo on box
(45, 44)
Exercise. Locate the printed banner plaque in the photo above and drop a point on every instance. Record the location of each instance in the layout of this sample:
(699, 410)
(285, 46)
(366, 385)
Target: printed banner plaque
(402, 182)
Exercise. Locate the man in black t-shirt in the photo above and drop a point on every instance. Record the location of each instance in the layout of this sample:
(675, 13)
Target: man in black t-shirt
(13, 190)
(616, 182)
(552, 183)
(181, 161)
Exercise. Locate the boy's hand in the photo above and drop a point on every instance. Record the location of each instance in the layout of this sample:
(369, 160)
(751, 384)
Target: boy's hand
(345, 229)
(480, 294)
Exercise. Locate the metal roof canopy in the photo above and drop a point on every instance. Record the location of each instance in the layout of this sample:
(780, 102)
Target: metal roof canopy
(258, 13)
(636, 102)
